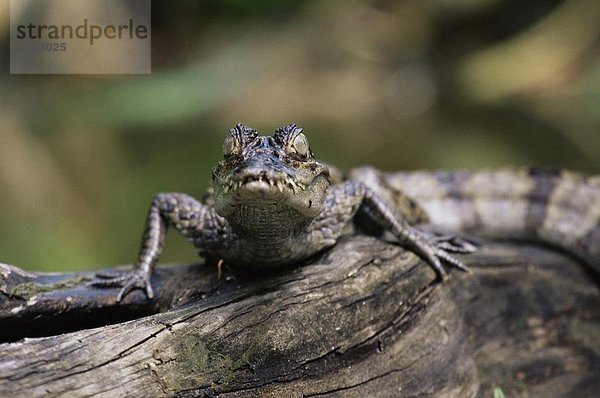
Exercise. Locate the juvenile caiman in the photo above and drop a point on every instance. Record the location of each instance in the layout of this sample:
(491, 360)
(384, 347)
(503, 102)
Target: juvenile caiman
(273, 205)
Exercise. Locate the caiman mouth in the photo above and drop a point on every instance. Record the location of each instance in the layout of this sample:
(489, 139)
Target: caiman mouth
(275, 187)
(262, 181)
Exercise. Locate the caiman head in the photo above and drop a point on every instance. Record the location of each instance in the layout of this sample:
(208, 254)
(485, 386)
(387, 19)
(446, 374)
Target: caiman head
(261, 170)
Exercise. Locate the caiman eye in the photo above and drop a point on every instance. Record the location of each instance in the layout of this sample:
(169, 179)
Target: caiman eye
(299, 145)
(231, 146)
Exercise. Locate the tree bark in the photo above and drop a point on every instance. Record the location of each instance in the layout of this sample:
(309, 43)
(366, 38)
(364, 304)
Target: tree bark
(365, 319)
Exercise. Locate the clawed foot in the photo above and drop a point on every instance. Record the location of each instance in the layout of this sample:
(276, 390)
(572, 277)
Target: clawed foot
(129, 280)
(436, 249)
(454, 244)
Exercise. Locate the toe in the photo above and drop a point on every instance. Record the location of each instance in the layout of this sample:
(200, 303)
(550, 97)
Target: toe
(125, 290)
(453, 261)
(108, 282)
(148, 290)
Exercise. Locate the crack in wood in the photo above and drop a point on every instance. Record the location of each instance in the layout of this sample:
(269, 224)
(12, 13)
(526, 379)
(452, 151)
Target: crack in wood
(317, 337)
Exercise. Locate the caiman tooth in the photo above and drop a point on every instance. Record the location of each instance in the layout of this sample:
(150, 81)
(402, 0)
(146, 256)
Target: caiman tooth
(293, 185)
(280, 186)
(272, 183)
(225, 188)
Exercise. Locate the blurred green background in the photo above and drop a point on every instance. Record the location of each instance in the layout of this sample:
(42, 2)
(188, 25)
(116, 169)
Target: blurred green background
(396, 84)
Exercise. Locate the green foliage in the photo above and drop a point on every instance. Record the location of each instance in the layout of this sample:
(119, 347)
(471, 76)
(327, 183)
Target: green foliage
(392, 84)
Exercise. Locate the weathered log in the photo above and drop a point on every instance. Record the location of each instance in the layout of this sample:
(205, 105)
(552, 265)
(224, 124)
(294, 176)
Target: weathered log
(364, 319)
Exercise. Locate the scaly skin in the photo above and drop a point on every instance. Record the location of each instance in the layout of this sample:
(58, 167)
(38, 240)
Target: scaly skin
(560, 208)
(273, 206)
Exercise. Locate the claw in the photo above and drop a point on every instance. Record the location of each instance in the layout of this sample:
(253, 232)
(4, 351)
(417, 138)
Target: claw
(452, 261)
(133, 284)
(454, 244)
(109, 279)
(129, 281)
(435, 249)
(452, 248)
(435, 262)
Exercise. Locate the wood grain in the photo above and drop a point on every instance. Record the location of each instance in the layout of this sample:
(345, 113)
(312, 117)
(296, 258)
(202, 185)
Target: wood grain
(364, 319)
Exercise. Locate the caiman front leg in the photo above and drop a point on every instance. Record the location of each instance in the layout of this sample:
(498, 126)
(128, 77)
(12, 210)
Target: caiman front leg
(189, 217)
(348, 198)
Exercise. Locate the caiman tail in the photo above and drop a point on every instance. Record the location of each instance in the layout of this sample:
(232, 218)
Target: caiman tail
(559, 208)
